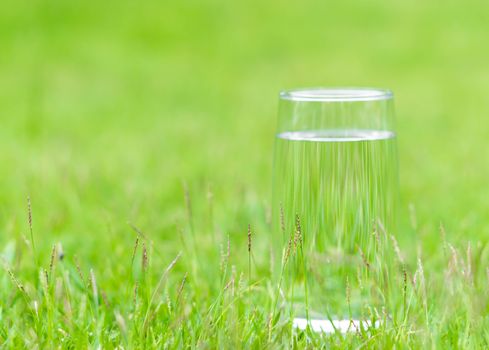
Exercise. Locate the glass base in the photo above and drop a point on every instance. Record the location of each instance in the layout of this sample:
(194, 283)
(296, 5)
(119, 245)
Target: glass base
(332, 326)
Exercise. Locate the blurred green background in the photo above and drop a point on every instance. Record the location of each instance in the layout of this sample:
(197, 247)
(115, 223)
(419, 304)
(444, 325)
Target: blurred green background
(109, 107)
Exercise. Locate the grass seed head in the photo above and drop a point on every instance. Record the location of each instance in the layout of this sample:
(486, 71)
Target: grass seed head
(136, 244)
(144, 258)
(93, 283)
(364, 258)
(120, 321)
(182, 284)
(443, 234)
(404, 280)
(422, 283)
(468, 274)
(453, 265)
(52, 261)
(230, 283)
(14, 279)
(105, 299)
(225, 256)
(135, 294)
(282, 219)
(397, 250)
(359, 278)
(288, 249)
(78, 269)
(249, 238)
(298, 232)
(58, 289)
(29, 212)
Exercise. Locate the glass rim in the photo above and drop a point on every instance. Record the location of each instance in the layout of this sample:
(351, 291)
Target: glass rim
(337, 94)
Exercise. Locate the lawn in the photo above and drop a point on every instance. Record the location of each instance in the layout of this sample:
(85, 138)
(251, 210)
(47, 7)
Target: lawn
(136, 150)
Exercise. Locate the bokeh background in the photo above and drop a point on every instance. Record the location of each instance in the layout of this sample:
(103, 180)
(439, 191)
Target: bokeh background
(110, 108)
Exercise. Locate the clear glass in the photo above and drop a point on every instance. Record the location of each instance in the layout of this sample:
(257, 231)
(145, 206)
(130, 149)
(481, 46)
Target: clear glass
(335, 194)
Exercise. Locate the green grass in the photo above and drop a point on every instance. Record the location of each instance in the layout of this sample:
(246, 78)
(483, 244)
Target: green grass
(161, 116)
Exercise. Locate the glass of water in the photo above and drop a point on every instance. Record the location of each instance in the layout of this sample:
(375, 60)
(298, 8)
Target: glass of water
(335, 196)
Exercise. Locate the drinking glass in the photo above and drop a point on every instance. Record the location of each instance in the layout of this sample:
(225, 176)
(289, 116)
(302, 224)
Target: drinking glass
(335, 193)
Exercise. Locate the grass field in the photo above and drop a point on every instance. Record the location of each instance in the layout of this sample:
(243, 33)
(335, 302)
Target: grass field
(143, 133)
